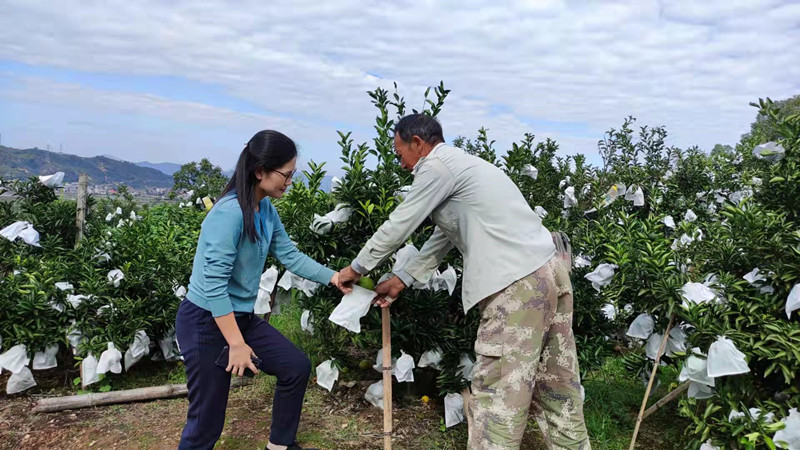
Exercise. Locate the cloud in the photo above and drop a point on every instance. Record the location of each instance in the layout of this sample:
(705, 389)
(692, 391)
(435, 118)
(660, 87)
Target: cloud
(692, 67)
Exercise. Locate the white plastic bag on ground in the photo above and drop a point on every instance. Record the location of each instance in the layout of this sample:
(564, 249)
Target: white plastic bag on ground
(700, 391)
(46, 359)
(669, 222)
(530, 171)
(541, 212)
(110, 360)
(89, 370)
(789, 437)
(23, 230)
(15, 358)
(695, 369)
(54, 180)
(696, 293)
(609, 311)
(404, 369)
(601, 276)
(431, 358)
(20, 381)
(453, 409)
(374, 394)
(352, 308)
(139, 348)
(653, 344)
(307, 321)
(770, 151)
(725, 359)
(466, 366)
(327, 374)
(793, 301)
(64, 286)
(115, 277)
(641, 327)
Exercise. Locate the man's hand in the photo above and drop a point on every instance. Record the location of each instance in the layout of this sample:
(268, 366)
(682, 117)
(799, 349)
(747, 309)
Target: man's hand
(347, 277)
(337, 281)
(388, 291)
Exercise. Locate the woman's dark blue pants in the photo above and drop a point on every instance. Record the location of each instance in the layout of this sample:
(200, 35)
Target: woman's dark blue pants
(201, 342)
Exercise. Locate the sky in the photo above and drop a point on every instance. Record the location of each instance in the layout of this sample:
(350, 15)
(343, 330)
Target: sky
(182, 80)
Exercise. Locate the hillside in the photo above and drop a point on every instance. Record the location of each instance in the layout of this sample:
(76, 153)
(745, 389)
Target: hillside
(164, 167)
(15, 163)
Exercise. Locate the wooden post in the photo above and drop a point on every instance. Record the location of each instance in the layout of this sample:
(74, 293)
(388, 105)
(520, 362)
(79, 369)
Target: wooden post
(387, 378)
(650, 383)
(666, 399)
(80, 216)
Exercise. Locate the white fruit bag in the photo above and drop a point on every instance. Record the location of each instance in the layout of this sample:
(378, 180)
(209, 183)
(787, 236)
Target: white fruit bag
(569, 197)
(374, 394)
(20, 381)
(466, 366)
(453, 409)
(321, 224)
(789, 437)
(653, 344)
(601, 276)
(139, 348)
(352, 308)
(696, 293)
(307, 321)
(707, 445)
(725, 359)
(54, 180)
(431, 358)
(700, 391)
(115, 277)
(327, 374)
(46, 359)
(404, 369)
(169, 346)
(379, 362)
(641, 327)
(14, 359)
(669, 222)
(793, 301)
(609, 311)
(695, 369)
(676, 342)
(89, 370)
(110, 360)
(638, 197)
(64, 286)
(530, 171)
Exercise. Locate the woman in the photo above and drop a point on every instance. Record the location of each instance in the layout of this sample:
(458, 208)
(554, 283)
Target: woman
(236, 236)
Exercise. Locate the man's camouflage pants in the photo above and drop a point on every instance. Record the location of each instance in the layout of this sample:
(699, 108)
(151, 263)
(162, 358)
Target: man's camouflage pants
(526, 354)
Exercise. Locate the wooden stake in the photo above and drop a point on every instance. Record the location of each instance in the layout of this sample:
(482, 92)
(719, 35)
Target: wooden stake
(54, 404)
(387, 378)
(666, 399)
(80, 215)
(650, 383)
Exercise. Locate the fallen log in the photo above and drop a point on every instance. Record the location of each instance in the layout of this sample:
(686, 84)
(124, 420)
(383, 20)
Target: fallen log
(54, 404)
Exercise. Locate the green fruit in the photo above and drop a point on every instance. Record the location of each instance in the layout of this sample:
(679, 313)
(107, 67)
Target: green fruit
(366, 283)
(365, 364)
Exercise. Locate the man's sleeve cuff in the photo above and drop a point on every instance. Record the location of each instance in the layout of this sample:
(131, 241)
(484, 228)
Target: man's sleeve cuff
(407, 279)
(358, 267)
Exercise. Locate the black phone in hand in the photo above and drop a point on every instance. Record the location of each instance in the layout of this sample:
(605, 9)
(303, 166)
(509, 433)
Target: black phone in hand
(222, 361)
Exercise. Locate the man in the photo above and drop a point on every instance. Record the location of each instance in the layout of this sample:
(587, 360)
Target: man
(525, 347)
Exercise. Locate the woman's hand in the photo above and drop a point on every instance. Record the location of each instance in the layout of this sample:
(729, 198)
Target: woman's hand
(239, 360)
(345, 287)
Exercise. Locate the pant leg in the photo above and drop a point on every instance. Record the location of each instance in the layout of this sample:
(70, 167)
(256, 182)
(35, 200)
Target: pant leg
(558, 393)
(508, 349)
(201, 343)
(292, 368)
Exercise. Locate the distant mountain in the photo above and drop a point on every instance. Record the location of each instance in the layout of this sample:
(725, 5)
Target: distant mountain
(16, 164)
(164, 167)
